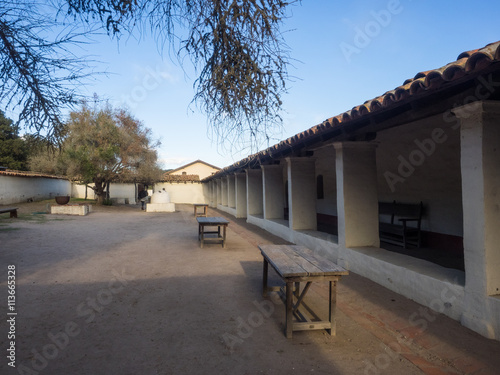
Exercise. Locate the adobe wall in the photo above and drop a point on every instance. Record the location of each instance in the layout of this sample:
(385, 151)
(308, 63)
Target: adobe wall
(183, 192)
(15, 189)
(421, 164)
(116, 190)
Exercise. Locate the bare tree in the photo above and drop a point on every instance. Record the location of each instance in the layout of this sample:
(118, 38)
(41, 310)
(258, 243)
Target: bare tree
(235, 45)
(39, 75)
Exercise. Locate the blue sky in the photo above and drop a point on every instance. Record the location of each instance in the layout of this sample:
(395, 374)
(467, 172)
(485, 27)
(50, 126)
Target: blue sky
(346, 52)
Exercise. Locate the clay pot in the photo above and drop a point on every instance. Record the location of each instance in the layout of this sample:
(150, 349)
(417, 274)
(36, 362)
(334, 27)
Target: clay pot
(62, 199)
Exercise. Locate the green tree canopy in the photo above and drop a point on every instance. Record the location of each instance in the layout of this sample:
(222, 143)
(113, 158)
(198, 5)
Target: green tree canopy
(13, 149)
(103, 145)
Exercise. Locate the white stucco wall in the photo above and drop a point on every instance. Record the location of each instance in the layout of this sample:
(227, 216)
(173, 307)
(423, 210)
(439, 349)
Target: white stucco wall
(127, 191)
(116, 190)
(325, 166)
(422, 163)
(14, 189)
(189, 192)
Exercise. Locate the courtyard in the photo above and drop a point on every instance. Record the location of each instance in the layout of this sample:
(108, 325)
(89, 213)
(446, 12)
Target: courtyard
(122, 291)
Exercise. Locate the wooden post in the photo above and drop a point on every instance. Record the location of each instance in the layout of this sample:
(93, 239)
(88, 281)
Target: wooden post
(264, 277)
(289, 309)
(333, 303)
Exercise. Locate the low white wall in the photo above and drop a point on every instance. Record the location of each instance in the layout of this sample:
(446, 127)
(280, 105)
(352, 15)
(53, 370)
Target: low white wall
(121, 190)
(15, 189)
(489, 323)
(116, 190)
(188, 193)
(442, 289)
(323, 244)
(227, 210)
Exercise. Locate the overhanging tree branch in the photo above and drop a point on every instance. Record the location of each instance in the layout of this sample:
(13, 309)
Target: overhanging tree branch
(39, 76)
(236, 47)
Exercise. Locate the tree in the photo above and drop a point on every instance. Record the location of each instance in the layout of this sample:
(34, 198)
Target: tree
(103, 145)
(13, 149)
(236, 47)
(39, 75)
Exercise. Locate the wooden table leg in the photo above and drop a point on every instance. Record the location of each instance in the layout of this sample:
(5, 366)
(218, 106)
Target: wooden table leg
(333, 303)
(297, 290)
(202, 233)
(264, 277)
(289, 309)
(224, 235)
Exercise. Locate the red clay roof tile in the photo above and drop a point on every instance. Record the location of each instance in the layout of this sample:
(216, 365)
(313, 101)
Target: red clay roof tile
(426, 82)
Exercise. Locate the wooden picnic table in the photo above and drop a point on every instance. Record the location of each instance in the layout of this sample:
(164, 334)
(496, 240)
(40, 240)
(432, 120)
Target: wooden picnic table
(219, 222)
(204, 206)
(298, 264)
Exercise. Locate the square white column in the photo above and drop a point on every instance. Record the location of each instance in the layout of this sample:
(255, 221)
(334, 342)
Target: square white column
(301, 193)
(480, 164)
(357, 194)
(219, 192)
(231, 193)
(254, 192)
(223, 184)
(273, 191)
(241, 195)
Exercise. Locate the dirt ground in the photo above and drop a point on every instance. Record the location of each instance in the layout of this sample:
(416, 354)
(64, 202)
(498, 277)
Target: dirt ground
(122, 291)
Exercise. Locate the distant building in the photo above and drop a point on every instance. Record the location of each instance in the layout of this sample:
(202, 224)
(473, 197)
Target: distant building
(184, 183)
(198, 167)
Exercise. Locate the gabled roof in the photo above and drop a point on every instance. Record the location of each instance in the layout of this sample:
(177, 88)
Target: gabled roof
(192, 163)
(180, 178)
(431, 85)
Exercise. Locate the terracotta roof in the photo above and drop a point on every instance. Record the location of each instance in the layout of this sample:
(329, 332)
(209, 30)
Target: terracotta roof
(180, 178)
(187, 165)
(467, 67)
(10, 172)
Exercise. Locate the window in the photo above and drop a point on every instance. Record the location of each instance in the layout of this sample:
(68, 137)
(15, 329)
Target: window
(320, 193)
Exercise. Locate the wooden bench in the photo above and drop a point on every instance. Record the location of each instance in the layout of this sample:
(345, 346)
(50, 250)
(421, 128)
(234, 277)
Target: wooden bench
(12, 210)
(218, 222)
(397, 231)
(202, 205)
(296, 264)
